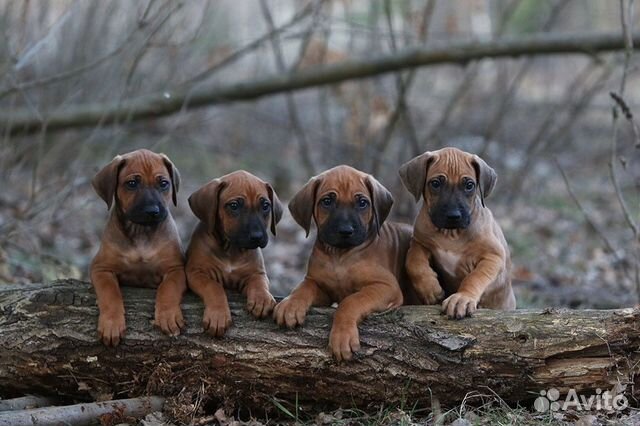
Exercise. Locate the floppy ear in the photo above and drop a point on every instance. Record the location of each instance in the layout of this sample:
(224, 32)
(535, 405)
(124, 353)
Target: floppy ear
(303, 203)
(175, 178)
(486, 177)
(204, 203)
(276, 208)
(414, 173)
(105, 182)
(381, 201)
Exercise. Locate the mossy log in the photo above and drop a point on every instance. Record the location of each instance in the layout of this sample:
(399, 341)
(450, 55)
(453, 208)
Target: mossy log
(412, 354)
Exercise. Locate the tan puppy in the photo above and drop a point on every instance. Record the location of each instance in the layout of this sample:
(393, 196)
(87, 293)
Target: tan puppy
(235, 212)
(458, 250)
(357, 259)
(140, 245)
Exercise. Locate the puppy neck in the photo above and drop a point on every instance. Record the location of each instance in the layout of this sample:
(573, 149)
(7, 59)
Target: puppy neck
(450, 234)
(337, 251)
(221, 246)
(133, 231)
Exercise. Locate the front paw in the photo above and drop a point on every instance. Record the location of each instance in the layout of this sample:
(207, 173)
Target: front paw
(290, 312)
(169, 319)
(260, 304)
(216, 320)
(344, 341)
(459, 305)
(429, 292)
(111, 328)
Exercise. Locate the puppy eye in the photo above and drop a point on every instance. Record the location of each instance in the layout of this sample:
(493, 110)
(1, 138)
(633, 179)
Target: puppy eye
(469, 186)
(363, 203)
(233, 205)
(435, 184)
(164, 184)
(266, 206)
(327, 201)
(131, 184)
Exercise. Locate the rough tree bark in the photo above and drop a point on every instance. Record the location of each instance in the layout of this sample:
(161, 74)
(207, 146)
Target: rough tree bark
(171, 101)
(49, 347)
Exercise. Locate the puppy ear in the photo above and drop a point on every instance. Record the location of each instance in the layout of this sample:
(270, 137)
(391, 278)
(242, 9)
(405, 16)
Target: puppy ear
(105, 182)
(276, 208)
(485, 176)
(204, 203)
(381, 201)
(175, 178)
(303, 204)
(414, 173)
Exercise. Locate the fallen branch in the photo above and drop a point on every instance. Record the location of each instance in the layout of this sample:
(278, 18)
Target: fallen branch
(169, 102)
(112, 412)
(25, 402)
(48, 337)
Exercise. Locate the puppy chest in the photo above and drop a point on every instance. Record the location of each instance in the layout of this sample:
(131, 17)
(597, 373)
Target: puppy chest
(142, 259)
(141, 268)
(336, 280)
(448, 261)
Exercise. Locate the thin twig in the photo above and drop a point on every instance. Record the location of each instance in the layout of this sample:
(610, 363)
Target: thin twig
(614, 114)
(626, 111)
(303, 143)
(625, 20)
(592, 224)
(467, 80)
(65, 75)
(240, 52)
(549, 132)
(403, 85)
(495, 122)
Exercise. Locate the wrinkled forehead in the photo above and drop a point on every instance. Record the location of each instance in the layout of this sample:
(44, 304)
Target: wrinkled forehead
(453, 165)
(144, 164)
(344, 185)
(247, 187)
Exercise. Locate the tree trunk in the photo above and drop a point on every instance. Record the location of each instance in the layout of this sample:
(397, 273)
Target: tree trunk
(413, 354)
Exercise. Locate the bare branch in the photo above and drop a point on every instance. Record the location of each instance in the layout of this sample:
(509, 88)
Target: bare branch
(168, 102)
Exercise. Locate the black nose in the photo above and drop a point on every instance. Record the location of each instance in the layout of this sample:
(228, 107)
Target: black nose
(152, 210)
(454, 214)
(256, 236)
(345, 230)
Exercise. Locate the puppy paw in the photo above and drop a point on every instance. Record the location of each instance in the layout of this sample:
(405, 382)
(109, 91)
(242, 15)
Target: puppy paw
(169, 319)
(216, 320)
(260, 304)
(429, 293)
(290, 312)
(459, 305)
(344, 341)
(111, 328)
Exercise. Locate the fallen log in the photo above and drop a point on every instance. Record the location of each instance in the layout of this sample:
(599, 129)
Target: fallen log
(413, 354)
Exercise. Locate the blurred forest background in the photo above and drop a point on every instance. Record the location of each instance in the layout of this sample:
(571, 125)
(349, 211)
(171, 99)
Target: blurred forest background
(574, 242)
